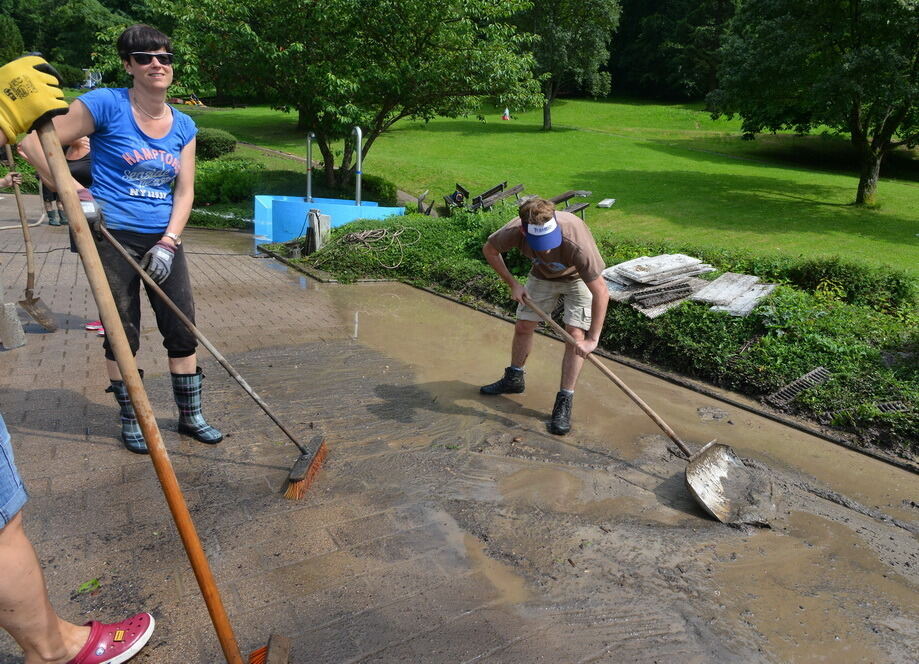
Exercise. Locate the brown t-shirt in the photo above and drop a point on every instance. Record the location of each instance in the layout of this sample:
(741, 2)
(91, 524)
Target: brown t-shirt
(577, 255)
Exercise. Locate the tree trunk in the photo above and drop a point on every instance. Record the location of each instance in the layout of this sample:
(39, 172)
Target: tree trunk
(344, 169)
(328, 162)
(302, 120)
(547, 115)
(868, 180)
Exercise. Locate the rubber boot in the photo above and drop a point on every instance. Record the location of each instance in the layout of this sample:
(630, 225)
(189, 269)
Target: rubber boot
(560, 424)
(187, 391)
(131, 435)
(63, 216)
(511, 383)
(54, 218)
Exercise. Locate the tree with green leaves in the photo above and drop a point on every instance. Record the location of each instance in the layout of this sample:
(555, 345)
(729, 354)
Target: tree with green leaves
(371, 63)
(669, 49)
(572, 46)
(11, 46)
(851, 65)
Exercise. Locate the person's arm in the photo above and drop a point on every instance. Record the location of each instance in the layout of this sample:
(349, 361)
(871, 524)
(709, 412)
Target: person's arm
(76, 123)
(184, 195)
(598, 306)
(494, 258)
(11, 178)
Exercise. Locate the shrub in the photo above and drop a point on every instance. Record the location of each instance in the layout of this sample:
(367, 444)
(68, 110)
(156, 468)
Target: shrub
(73, 77)
(11, 45)
(381, 190)
(214, 143)
(225, 181)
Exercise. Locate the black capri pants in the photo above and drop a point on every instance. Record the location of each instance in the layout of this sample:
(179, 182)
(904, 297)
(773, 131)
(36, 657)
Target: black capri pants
(125, 284)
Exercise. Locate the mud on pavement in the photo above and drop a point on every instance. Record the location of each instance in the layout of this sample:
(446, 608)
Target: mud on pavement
(445, 527)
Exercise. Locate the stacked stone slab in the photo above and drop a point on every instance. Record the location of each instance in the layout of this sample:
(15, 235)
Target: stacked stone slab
(733, 293)
(656, 284)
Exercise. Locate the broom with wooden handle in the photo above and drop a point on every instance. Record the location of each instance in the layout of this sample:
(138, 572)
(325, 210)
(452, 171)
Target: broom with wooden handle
(311, 455)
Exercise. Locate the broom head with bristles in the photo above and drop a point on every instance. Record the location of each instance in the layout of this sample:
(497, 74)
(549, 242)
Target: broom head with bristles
(305, 469)
(278, 647)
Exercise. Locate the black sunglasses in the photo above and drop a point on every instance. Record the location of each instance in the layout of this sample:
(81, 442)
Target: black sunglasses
(144, 58)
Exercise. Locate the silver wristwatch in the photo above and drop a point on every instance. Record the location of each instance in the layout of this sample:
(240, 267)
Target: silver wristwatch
(175, 237)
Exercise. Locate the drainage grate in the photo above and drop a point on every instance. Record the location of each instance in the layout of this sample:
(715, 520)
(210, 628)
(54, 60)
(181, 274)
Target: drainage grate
(784, 395)
(892, 407)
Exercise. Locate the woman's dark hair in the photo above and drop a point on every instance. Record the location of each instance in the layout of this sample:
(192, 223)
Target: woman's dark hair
(141, 37)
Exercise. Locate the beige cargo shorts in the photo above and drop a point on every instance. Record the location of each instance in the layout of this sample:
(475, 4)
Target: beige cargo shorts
(545, 294)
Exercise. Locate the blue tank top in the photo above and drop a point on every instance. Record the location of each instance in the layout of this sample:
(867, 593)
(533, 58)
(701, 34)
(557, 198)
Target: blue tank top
(133, 174)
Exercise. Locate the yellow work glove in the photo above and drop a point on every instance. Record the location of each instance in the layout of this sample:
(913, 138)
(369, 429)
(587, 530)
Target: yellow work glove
(29, 92)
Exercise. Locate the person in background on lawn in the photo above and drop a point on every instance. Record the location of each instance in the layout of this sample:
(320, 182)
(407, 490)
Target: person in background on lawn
(567, 264)
(143, 170)
(25, 610)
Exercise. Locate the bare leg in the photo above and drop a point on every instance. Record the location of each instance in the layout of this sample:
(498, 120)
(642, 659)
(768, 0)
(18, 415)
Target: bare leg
(25, 611)
(177, 365)
(572, 362)
(523, 342)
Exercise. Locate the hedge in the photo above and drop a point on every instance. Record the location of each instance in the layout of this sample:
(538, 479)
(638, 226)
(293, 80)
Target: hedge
(822, 314)
(214, 143)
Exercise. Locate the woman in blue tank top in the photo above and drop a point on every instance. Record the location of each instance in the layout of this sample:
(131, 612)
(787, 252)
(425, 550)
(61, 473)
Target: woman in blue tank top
(143, 178)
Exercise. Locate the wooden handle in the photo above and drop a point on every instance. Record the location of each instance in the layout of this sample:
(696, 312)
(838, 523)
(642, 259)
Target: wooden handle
(125, 359)
(613, 377)
(26, 233)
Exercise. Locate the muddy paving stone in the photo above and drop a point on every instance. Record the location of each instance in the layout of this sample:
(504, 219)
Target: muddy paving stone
(444, 527)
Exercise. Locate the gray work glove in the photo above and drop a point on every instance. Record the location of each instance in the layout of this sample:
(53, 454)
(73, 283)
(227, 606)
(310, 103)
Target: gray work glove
(158, 261)
(92, 213)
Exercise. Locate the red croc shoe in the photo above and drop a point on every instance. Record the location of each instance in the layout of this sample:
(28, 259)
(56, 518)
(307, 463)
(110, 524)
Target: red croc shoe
(117, 642)
(94, 325)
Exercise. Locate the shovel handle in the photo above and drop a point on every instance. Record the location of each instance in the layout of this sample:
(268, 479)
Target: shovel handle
(613, 377)
(26, 234)
(114, 330)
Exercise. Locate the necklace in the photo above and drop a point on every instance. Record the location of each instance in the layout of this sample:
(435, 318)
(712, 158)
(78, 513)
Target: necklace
(139, 108)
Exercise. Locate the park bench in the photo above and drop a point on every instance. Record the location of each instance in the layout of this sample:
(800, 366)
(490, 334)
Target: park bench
(485, 202)
(489, 193)
(573, 208)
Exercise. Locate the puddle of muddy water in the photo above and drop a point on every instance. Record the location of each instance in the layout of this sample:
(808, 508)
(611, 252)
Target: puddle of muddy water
(453, 350)
(802, 588)
(511, 587)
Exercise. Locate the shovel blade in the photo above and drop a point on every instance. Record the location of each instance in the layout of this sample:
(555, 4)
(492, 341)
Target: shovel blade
(39, 312)
(729, 490)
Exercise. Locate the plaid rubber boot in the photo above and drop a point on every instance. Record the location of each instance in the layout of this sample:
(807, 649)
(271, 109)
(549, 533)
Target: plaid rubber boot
(131, 435)
(187, 391)
(510, 383)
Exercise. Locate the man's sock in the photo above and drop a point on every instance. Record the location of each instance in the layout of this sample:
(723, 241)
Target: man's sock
(569, 393)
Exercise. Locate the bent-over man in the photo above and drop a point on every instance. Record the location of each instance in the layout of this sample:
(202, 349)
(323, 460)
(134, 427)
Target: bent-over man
(566, 263)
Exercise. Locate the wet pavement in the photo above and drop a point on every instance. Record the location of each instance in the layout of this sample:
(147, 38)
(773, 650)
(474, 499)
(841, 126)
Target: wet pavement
(445, 526)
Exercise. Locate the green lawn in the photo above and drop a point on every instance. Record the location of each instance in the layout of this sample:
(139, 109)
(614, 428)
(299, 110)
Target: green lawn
(677, 175)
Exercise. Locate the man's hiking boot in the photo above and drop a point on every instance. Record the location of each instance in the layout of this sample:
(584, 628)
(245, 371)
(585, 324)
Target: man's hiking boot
(511, 383)
(560, 424)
